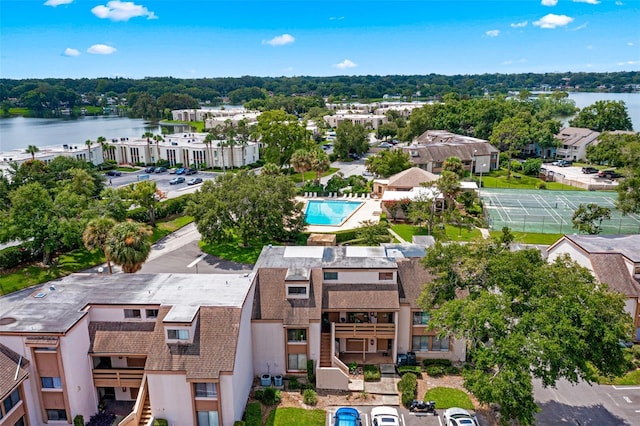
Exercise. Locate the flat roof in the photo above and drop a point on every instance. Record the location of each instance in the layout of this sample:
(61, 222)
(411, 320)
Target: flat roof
(344, 257)
(60, 303)
(627, 245)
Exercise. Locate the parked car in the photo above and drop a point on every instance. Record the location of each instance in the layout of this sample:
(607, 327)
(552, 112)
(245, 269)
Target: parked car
(114, 173)
(190, 171)
(385, 416)
(385, 145)
(176, 180)
(564, 163)
(149, 169)
(347, 416)
(609, 174)
(589, 170)
(173, 171)
(161, 169)
(194, 181)
(181, 171)
(459, 417)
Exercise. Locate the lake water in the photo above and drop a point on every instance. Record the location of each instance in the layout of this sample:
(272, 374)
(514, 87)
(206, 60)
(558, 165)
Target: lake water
(20, 132)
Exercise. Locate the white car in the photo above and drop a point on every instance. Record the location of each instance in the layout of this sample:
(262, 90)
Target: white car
(459, 417)
(385, 416)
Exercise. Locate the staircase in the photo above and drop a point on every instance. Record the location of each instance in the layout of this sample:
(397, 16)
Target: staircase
(146, 412)
(325, 350)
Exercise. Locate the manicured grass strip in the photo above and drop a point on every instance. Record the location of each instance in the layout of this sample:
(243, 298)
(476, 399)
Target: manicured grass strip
(462, 234)
(523, 182)
(408, 231)
(631, 378)
(232, 250)
(198, 125)
(289, 416)
(310, 176)
(166, 227)
(449, 397)
(530, 237)
(126, 169)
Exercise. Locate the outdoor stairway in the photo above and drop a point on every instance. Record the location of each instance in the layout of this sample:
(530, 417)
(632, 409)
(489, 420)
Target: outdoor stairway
(325, 350)
(146, 412)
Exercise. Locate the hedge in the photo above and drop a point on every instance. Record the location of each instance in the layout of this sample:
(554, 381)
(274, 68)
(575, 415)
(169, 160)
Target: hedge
(408, 385)
(371, 373)
(164, 209)
(11, 257)
(253, 414)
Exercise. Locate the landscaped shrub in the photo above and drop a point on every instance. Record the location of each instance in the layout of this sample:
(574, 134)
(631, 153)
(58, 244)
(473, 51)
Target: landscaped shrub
(541, 185)
(310, 397)
(516, 166)
(253, 414)
(413, 369)
(17, 255)
(160, 422)
(102, 419)
(371, 373)
(239, 423)
(78, 420)
(353, 367)
(293, 383)
(408, 385)
(435, 370)
(346, 235)
(442, 362)
(268, 396)
(311, 376)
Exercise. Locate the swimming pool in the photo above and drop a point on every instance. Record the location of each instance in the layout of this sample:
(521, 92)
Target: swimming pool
(329, 212)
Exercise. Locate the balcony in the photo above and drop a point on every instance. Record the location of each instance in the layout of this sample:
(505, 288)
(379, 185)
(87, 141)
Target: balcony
(365, 330)
(124, 377)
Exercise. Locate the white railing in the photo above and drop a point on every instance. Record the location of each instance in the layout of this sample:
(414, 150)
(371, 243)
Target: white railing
(133, 419)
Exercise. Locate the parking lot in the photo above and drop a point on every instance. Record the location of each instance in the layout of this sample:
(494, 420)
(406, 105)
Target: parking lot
(161, 179)
(573, 176)
(406, 418)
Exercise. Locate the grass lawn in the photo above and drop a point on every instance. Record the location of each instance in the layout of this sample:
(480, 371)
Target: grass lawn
(232, 250)
(408, 231)
(310, 176)
(449, 397)
(453, 233)
(530, 237)
(165, 227)
(127, 169)
(198, 125)
(499, 180)
(631, 378)
(289, 416)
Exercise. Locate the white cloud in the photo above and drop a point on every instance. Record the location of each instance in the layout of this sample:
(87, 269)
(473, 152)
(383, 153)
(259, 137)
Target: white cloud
(101, 49)
(552, 21)
(336, 18)
(631, 43)
(587, 1)
(280, 40)
(54, 3)
(509, 62)
(71, 52)
(590, 46)
(549, 2)
(345, 64)
(519, 24)
(628, 63)
(619, 3)
(580, 27)
(493, 33)
(117, 10)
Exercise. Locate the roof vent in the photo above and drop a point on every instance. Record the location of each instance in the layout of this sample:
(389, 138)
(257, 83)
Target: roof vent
(7, 320)
(52, 288)
(40, 295)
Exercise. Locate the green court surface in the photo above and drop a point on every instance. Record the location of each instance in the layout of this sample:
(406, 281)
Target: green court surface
(550, 211)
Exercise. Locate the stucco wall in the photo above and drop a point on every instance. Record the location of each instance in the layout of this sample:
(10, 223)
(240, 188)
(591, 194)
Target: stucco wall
(170, 397)
(313, 340)
(565, 247)
(404, 319)
(268, 348)
(359, 277)
(117, 313)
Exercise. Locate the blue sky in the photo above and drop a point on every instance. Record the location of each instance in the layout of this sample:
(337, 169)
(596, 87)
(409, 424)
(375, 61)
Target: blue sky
(210, 38)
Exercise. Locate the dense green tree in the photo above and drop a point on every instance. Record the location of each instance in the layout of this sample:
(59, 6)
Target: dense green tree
(281, 134)
(603, 116)
(271, 169)
(448, 184)
(248, 206)
(128, 245)
(301, 162)
(144, 194)
(588, 218)
(629, 187)
(177, 101)
(372, 233)
(112, 205)
(96, 234)
(388, 163)
(387, 130)
(454, 164)
(510, 135)
(523, 318)
(608, 150)
(350, 139)
(319, 161)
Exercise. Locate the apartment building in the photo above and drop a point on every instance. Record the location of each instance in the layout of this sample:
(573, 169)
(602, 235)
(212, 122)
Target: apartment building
(573, 143)
(613, 259)
(366, 120)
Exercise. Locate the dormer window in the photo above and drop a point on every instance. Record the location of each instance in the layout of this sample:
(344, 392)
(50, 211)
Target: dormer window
(177, 334)
(298, 291)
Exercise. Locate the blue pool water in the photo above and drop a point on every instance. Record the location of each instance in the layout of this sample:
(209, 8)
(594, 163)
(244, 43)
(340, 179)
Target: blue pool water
(329, 212)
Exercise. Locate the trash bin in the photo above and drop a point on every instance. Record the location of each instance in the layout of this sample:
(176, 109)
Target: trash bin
(402, 360)
(411, 358)
(265, 380)
(277, 380)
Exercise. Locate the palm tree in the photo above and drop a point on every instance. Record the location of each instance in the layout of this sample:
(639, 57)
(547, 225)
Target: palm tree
(88, 143)
(102, 141)
(271, 169)
(32, 149)
(158, 139)
(148, 135)
(230, 141)
(208, 141)
(129, 246)
(319, 162)
(95, 236)
(301, 162)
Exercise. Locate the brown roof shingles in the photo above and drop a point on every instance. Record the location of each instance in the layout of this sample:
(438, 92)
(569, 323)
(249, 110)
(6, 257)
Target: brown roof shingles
(611, 269)
(360, 297)
(8, 366)
(121, 337)
(410, 178)
(412, 277)
(212, 352)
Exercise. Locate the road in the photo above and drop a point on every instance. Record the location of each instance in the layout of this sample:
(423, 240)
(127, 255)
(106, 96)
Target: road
(587, 405)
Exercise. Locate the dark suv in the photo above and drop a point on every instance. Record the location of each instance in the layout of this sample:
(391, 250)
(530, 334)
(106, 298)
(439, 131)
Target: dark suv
(609, 174)
(589, 170)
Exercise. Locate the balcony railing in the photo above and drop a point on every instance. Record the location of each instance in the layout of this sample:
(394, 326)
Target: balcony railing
(365, 330)
(126, 378)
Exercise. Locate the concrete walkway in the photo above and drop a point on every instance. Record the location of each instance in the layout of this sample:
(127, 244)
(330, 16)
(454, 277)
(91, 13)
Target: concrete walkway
(485, 233)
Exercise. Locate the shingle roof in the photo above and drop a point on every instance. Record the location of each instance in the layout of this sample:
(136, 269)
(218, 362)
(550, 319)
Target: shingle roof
(360, 297)
(412, 277)
(611, 269)
(438, 152)
(270, 302)
(213, 349)
(8, 366)
(410, 178)
(121, 337)
(577, 136)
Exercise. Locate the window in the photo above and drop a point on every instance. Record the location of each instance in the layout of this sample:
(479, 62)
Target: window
(51, 382)
(420, 343)
(206, 390)
(297, 335)
(297, 362)
(20, 422)
(151, 313)
(11, 401)
(440, 345)
(178, 334)
(132, 313)
(385, 276)
(301, 291)
(56, 415)
(207, 418)
(420, 318)
(330, 275)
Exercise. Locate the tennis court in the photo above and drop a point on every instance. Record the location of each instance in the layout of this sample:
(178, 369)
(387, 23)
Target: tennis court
(550, 211)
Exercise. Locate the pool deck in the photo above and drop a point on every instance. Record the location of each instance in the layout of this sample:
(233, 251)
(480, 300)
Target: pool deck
(370, 210)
